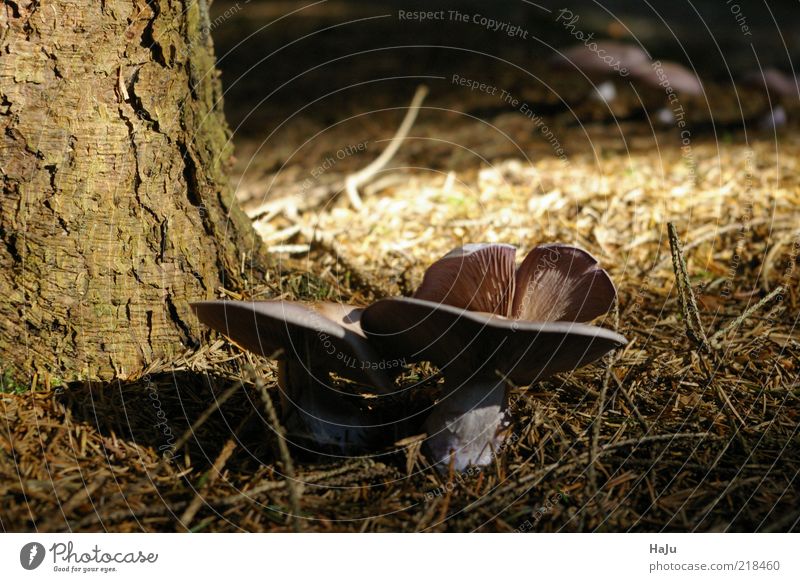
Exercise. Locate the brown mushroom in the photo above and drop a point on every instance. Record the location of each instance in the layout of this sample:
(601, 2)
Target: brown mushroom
(668, 76)
(311, 342)
(774, 83)
(601, 60)
(603, 63)
(480, 352)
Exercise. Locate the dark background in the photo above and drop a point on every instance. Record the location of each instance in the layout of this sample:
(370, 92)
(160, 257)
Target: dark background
(273, 61)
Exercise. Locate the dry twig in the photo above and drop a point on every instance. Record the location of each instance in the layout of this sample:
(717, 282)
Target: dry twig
(354, 181)
(288, 464)
(691, 314)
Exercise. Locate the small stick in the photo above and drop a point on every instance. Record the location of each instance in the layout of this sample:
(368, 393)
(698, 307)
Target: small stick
(714, 339)
(595, 442)
(75, 501)
(786, 524)
(561, 466)
(724, 399)
(353, 181)
(696, 242)
(205, 416)
(121, 514)
(288, 464)
(694, 327)
(214, 472)
(766, 271)
(197, 424)
(596, 426)
(267, 486)
(218, 402)
(629, 401)
(595, 437)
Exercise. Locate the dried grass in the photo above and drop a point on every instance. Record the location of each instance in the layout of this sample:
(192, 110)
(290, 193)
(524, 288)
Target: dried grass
(666, 455)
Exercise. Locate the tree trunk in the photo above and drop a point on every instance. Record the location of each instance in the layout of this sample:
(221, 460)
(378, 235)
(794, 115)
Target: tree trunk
(115, 208)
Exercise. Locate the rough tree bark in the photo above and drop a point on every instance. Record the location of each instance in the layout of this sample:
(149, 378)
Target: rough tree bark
(115, 209)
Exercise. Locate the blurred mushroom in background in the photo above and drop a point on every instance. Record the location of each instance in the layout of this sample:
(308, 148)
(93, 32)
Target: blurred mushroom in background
(664, 74)
(604, 63)
(778, 89)
(666, 82)
(487, 325)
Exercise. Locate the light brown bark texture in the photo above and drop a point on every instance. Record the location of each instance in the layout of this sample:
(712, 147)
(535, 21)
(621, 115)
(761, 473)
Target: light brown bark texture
(115, 209)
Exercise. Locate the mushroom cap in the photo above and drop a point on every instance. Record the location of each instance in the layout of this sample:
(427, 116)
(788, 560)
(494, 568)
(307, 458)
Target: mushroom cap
(324, 337)
(463, 342)
(558, 282)
(681, 79)
(555, 282)
(774, 82)
(608, 60)
(478, 277)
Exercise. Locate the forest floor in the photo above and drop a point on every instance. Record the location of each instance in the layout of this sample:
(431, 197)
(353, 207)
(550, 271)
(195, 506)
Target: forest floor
(688, 440)
(659, 436)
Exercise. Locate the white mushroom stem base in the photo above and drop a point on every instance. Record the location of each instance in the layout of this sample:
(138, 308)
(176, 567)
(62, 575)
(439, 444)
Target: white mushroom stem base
(605, 92)
(773, 120)
(468, 424)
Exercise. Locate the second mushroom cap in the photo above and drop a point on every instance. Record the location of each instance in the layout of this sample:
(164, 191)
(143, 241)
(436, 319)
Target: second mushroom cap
(475, 310)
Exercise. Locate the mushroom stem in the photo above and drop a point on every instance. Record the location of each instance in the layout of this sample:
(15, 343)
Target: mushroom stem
(318, 414)
(469, 423)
